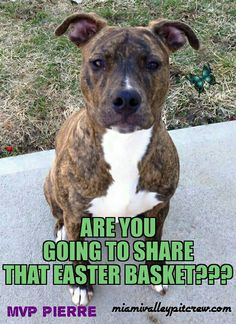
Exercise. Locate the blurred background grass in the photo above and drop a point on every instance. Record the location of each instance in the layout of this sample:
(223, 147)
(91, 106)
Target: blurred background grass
(39, 73)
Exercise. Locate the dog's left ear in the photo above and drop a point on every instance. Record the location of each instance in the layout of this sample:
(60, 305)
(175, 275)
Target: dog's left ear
(82, 27)
(174, 34)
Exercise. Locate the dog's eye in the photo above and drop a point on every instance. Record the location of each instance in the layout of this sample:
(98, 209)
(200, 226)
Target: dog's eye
(152, 65)
(98, 64)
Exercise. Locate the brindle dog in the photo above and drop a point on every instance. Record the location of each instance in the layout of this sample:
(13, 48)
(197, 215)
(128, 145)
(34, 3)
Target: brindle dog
(114, 157)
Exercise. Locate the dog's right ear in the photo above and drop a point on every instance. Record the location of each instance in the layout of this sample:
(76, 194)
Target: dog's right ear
(82, 27)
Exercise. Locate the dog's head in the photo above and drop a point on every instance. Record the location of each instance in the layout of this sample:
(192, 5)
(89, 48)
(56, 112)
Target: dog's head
(125, 71)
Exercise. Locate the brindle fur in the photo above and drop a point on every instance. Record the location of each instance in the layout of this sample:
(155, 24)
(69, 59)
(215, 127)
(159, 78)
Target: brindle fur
(80, 173)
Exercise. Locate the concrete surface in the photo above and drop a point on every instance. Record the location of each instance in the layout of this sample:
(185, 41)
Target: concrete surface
(203, 210)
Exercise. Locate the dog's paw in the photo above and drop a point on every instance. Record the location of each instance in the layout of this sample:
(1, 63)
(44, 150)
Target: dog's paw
(161, 289)
(61, 235)
(81, 296)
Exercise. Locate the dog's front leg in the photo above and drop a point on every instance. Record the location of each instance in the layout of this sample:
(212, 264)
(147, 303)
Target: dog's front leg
(81, 294)
(159, 212)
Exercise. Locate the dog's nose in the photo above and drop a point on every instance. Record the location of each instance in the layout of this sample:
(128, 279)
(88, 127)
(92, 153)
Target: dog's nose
(126, 102)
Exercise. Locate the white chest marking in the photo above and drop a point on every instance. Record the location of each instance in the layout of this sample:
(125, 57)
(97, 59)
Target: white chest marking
(123, 152)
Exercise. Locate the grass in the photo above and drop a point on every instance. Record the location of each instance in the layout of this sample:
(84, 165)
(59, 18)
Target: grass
(39, 73)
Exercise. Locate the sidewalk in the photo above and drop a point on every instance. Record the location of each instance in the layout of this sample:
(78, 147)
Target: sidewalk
(203, 209)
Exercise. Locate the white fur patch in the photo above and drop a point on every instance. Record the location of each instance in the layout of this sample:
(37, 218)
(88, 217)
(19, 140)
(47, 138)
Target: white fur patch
(127, 83)
(80, 296)
(123, 152)
(61, 235)
(161, 289)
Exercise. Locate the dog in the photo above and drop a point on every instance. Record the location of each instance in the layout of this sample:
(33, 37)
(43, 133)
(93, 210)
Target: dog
(114, 157)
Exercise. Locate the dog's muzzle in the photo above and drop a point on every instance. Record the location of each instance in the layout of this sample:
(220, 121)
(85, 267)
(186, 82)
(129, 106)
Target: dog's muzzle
(126, 102)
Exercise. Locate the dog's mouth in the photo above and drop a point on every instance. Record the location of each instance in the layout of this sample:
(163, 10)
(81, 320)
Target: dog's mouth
(124, 127)
(127, 124)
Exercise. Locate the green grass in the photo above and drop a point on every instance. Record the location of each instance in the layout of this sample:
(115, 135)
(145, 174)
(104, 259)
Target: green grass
(39, 73)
